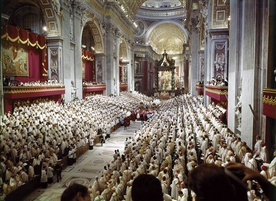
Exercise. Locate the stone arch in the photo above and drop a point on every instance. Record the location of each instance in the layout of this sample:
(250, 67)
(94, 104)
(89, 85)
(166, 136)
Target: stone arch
(94, 26)
(52, 13)
(43, 8)
(87, 39)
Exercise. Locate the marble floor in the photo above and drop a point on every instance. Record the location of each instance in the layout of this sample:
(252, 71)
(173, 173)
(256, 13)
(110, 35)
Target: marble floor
(88, 166)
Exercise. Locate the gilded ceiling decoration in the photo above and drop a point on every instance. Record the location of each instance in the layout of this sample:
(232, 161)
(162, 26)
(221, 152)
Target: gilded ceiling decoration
(161, 3)
(132, 6)
(167, 37)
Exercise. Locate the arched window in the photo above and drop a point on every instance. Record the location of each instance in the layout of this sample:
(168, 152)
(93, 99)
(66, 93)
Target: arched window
(87, 39)
(28, 17)
(32, 23)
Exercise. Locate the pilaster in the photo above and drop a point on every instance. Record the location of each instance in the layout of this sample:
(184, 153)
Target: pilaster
(76, 17)
(234, 72)
(194, 45)
(99, 63)
(67, 60)
(109, 49)
(251, 92)
(130, 79)
(116, 60)
(55, 50)
(73, 11)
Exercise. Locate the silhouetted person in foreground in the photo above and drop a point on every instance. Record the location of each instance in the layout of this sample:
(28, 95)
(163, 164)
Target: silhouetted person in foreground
(146, 187)
(213, 183)
(76, 192)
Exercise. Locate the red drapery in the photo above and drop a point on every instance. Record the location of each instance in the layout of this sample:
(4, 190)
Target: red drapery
(37, 56)
(120, 71)
(87, 55)
(88, 71)
(16, 34)
(88, 60)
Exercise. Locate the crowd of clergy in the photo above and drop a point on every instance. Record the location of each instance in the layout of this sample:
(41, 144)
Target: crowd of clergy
(38, 135)
(181, 134)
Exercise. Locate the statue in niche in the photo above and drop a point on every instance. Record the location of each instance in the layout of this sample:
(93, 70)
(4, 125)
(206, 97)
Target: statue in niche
(137, 68)
(124, 74)
(220, 61)
(202, 68)
(238, 110)
(99, 71)
(54, 69)
(140, 28)
(71, 27)
(56, 4)
(73, 91)
(137, 86)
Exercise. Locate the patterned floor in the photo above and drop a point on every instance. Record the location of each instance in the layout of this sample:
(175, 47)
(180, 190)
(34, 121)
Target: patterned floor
(88, 166)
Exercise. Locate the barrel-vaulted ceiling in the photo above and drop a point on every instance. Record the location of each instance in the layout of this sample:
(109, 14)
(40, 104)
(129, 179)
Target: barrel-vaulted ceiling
(168, 33)
(167, 37)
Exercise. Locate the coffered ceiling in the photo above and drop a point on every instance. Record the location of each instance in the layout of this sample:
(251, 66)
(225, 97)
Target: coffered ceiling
(132, 6)
(167, 37)
(164, 17)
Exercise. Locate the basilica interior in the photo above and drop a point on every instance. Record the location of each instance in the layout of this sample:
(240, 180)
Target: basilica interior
(67, 62)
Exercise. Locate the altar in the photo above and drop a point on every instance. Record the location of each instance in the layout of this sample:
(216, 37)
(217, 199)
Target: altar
(164, 77)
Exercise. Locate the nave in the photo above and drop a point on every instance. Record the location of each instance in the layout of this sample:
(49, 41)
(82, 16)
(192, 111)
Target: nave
(181, 134)
(88, 166)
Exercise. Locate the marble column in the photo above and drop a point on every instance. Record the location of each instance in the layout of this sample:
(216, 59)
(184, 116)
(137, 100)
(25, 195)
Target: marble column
(66, 59)
(130, 75)
(186, 67)
(193, 71)
(109, 79)
(234, 72)
(251, 47)
(76, 43)
(208, 64)
(116, 61)
(181, 73)
(71, 46)
(112, 40)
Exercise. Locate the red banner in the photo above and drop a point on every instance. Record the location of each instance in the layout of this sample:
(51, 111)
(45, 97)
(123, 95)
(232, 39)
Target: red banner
(16, 36)
(87, 55)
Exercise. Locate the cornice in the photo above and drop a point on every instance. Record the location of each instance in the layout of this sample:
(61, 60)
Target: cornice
(169, 13)
(67, 4)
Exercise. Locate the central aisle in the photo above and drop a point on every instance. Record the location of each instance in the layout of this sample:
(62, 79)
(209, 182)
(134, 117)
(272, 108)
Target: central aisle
(88, 166)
